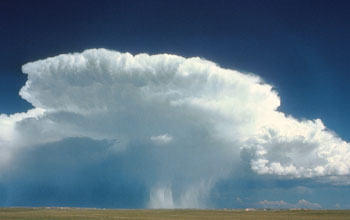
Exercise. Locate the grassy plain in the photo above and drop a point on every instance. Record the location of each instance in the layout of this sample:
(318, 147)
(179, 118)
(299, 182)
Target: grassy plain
(77, 214)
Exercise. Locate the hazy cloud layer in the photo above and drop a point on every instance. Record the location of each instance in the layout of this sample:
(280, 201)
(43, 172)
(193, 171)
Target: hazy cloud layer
(183, 124)
(301, 204)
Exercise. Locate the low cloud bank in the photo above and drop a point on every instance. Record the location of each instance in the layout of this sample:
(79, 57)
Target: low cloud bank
(301, 204)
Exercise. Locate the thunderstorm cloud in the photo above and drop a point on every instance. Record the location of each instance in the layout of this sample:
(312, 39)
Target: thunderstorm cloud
(164, 129)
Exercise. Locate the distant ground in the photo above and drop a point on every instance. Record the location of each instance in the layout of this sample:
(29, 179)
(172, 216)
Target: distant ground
(77, 214)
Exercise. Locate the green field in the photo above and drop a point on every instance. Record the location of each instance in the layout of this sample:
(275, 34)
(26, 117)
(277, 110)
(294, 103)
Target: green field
(56, 213)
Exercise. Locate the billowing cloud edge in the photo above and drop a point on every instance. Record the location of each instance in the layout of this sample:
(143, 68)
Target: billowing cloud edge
(184, 103)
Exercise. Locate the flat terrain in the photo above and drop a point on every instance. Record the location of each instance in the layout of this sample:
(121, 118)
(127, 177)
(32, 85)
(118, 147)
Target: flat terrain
(63, 213)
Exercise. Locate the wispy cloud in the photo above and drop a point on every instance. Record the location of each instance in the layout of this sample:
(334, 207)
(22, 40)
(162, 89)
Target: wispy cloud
(161, 139)
(301, 204)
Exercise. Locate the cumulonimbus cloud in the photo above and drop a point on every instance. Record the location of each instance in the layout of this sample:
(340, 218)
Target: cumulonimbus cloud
(205, 115)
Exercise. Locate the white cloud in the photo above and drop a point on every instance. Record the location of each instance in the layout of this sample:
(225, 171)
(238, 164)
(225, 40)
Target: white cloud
(8, 122)
(161, 139)
(301, 204)
(300, 149)
(305, 204)
(9, 137)
(273, 203)
(212, 114)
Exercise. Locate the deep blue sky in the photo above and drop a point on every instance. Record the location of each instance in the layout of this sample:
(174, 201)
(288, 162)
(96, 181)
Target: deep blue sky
(301, 47)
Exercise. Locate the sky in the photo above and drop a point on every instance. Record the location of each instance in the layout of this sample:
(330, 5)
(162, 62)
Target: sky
(175, 104)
